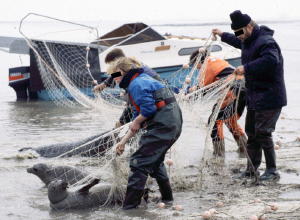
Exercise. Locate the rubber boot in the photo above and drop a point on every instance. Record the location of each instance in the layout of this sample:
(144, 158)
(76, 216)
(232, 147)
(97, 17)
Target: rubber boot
(219, 148)
(132, 198)
(249, 173)
(255, 157)
(270, 173)
(165, 190)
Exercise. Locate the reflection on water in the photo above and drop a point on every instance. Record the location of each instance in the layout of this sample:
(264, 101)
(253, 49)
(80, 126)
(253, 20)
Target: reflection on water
(32, 120)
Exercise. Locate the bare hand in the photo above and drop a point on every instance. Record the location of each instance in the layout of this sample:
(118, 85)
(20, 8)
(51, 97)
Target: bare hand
(239, 77)
(202, 50)
(193, 89)
(135, 126)
(118, 124)
(120, 148)
(216, 31)
(240, 70)
(99, 88)
(185, 66)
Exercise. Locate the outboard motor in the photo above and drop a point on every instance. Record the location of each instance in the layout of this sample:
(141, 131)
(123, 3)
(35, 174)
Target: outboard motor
(19, 81)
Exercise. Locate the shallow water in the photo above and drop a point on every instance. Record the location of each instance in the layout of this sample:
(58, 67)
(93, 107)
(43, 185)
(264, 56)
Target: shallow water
(291, 195)
(25, 124)
(289, 178)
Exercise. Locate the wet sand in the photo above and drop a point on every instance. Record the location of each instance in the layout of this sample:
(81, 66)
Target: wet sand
(241, 198)
(37, 123)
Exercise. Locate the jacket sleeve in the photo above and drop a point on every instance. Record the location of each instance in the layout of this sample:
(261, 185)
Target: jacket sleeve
(127, 115)
(232, 40)
(109, 82)
(263, 66)
(143, 97)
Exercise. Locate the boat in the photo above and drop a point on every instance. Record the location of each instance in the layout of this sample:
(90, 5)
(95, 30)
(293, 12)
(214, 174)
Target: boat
(165, 54)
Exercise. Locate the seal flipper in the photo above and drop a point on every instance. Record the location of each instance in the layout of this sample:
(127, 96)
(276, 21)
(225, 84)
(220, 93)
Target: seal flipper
(85, 189)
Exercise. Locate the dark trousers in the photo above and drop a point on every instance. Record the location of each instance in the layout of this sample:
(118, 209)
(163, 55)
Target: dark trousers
(259, 127)
(161, 132)
(148, 160)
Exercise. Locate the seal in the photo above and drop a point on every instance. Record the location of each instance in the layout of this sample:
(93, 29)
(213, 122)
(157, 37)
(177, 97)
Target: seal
(86, 197)
(95, 145)
(48, 173)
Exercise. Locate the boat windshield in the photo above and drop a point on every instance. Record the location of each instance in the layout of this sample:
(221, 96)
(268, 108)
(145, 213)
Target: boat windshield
(127, 34)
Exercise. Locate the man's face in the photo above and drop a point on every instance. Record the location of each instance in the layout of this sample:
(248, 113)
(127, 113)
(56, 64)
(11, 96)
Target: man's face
(118, 79)
(242, 33)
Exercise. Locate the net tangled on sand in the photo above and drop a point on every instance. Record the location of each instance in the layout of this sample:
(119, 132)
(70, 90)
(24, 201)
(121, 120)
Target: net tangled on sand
(66, 75)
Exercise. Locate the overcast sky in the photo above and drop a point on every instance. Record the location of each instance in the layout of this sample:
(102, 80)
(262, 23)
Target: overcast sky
(151, 11)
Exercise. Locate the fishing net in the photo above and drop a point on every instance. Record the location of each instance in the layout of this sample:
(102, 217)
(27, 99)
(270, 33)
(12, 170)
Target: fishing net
(207, 109)
(80, 163)
(68, 73)
(68, 69)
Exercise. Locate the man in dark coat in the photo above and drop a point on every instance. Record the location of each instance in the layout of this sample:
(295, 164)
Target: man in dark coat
(262, 65)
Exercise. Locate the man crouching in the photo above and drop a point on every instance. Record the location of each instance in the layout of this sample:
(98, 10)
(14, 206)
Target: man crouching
(155, 108)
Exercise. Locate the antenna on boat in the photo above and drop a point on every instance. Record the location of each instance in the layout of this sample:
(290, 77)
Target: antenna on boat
(56, 19)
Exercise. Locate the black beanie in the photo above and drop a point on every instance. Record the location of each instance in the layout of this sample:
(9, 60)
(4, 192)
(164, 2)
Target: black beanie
(239, 20)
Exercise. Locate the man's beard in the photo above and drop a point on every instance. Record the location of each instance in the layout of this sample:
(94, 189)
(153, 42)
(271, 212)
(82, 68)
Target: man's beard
(246, 35)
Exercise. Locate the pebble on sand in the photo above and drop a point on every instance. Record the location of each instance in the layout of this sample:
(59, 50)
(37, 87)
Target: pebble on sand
(268, 209)
(161, 205)
(274, 207)
(212, 211)
(169, 162)
(177, 207)
(219, 204)
(257, 200)
(253, 217)
(206, 215)
(262, 217)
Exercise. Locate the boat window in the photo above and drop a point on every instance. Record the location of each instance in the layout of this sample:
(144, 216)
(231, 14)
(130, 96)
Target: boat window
(145, 36)
(132, 33)
(187, 51)
(190, 50)
(216, 48)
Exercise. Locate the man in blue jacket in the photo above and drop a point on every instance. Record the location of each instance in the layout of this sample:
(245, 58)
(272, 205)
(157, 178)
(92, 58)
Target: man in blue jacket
(262, 65)
(155, 108)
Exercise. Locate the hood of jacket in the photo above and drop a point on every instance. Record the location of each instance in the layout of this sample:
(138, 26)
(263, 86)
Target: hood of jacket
(259, 31)
(128, 77)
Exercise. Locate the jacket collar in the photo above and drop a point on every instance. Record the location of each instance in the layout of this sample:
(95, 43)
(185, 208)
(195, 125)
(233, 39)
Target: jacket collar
(128, 77)
(253, 35)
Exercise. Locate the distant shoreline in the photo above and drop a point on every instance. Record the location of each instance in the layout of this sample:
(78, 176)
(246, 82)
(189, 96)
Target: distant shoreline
(225, 23)
(162, 23)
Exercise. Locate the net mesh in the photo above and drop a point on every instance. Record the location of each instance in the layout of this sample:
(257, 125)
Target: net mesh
(65, 68)
(66, 75)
